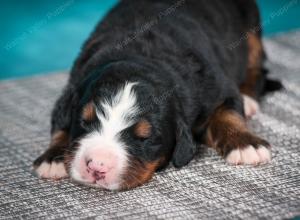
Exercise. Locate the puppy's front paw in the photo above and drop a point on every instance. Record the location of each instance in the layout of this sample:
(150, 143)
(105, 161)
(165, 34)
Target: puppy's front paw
(50, 165)
(52, 170)
(249, 156)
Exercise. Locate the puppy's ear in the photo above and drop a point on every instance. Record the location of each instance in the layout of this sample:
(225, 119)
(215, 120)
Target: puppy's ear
(185, 148)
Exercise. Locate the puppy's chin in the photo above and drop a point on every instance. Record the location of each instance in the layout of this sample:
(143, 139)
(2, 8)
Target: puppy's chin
(134, 175)
(77, 177)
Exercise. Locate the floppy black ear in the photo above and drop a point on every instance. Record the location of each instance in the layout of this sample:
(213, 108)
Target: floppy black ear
(185, 148)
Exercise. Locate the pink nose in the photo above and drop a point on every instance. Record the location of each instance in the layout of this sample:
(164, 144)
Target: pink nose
(100, 164)
(97, 169)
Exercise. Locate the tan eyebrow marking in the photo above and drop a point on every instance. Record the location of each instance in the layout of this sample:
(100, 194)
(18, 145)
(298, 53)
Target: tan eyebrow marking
(143, 129)
(89, 112)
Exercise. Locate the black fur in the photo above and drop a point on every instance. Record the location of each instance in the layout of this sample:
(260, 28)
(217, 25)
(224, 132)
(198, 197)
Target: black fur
(179, 53)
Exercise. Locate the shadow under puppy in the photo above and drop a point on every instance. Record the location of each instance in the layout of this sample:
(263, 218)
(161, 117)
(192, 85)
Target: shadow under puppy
(153, 77)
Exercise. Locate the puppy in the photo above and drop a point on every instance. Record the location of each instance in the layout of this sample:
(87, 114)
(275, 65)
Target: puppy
(153, 78)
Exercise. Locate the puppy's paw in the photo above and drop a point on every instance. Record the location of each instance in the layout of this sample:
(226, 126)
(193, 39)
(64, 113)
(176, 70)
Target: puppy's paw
(52, 170)
(245, 148)
(249, 156)
(50, 165)
(251, 107)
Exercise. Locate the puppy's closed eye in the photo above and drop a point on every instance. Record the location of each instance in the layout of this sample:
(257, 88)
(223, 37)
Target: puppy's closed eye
(143, 129)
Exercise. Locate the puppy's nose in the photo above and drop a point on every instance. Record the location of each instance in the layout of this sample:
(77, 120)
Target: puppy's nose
(97, 168)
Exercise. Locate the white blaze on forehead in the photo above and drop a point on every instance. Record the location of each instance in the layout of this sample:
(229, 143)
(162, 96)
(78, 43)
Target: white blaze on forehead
(116, 118)
(118, 112)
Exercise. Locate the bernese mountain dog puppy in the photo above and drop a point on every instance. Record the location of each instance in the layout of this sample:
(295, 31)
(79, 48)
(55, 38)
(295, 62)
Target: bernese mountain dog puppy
(155, 78)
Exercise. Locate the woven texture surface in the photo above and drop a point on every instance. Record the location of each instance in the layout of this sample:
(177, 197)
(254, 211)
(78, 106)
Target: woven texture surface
(207, 188)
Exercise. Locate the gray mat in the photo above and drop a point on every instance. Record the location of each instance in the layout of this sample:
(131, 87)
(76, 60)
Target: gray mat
(207, 188)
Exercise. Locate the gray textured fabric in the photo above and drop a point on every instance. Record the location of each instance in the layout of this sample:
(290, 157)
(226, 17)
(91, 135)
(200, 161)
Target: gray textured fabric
(207, 188)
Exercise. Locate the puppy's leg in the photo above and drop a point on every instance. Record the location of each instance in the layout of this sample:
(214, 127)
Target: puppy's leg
(253, 84)
(228, 133)
(51, 163)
